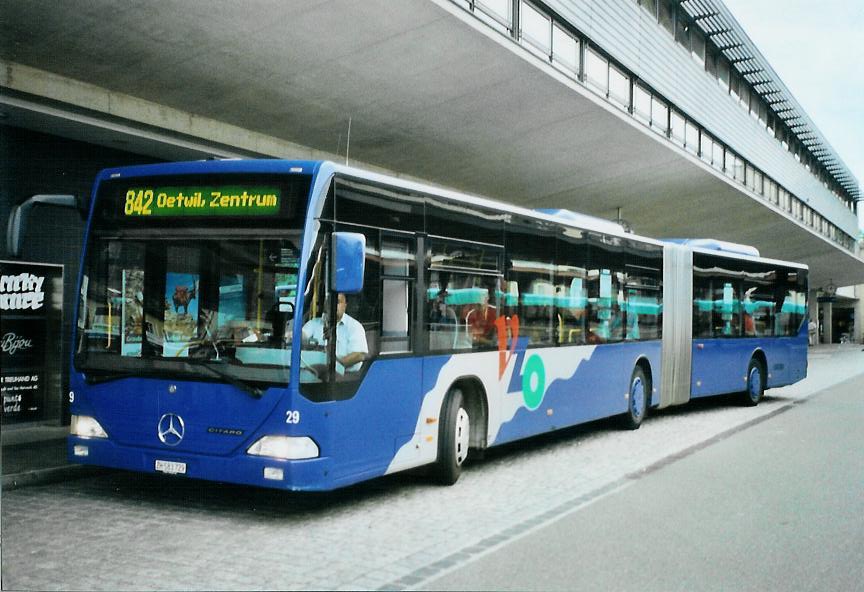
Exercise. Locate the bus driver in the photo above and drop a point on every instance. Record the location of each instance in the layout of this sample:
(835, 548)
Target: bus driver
(351, 346)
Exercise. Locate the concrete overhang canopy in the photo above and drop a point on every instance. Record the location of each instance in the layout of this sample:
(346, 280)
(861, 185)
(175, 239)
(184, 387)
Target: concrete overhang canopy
(430, 92)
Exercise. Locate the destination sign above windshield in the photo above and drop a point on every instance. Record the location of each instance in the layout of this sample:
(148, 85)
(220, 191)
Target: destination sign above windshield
(231, 200)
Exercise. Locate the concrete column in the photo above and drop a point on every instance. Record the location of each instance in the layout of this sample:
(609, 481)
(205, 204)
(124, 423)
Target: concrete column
(812, 315)
(827, 310)
(858, 330)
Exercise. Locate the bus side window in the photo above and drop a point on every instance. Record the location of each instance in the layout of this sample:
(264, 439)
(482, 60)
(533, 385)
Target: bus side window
(571, 288)
(441, 318)
(531, 266)
(398, 273)
(462, 292)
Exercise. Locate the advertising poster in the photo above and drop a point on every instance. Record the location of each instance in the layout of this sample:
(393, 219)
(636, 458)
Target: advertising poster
(31, 309)
(181, 313)
(133, 313)
(232, 300)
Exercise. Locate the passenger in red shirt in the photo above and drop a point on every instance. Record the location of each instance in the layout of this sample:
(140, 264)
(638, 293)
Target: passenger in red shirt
(481, 324)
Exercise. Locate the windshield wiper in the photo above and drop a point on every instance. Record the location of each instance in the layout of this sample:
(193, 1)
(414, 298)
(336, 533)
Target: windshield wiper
(99, 376)
(246, 387)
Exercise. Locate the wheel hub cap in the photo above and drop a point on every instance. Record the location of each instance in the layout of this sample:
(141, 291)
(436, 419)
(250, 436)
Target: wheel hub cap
(463, 431)
(755, 383)
(637, 397)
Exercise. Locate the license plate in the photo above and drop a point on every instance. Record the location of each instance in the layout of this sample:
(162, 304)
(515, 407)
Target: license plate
(171, 467)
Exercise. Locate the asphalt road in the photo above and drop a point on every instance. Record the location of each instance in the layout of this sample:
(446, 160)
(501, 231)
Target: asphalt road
(778, 506)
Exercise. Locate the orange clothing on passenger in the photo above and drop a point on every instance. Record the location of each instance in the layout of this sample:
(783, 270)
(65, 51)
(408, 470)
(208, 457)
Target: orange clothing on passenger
(481, 325)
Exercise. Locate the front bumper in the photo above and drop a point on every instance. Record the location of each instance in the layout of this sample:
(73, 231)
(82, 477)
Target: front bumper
(298, 475)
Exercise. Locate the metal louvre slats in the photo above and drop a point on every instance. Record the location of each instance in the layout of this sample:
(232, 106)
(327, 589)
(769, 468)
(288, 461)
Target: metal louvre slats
(717, 15)
(624, 30)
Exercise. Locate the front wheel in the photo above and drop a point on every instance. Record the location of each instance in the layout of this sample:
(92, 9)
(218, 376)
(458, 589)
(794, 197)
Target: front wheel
(453, 438)
(755, 384)
(638, 398)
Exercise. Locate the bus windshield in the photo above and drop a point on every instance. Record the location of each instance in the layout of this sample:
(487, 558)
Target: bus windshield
(185, 305)
(192, 276)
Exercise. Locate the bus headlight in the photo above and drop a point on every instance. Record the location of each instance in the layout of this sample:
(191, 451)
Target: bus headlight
(285, 447)
(85, 426)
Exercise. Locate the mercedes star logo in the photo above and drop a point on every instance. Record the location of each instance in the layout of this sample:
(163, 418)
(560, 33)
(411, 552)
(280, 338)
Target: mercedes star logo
(171, 429)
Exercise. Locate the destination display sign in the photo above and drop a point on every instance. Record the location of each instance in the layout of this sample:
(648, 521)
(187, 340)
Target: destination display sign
(181, 202)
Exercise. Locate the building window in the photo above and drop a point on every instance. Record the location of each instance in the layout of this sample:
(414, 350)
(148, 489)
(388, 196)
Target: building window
(691, 132)
(677, 125)
(650, 6)
(711, 61)
(498, 13)
(682, 31)
(659, 115)
(738, 169)
(723, 73)
(707, 148)
(641, 104)
(697, 45)
(717, 158)
(758, 109)
(619, 88)
(797, 209)
(667, 15)
(764, 116)
(734, 84)
(536, 29)
(771, 191)
(565, 50)
(785, 200)
(597, 71)
(729, 169)
(745, 98)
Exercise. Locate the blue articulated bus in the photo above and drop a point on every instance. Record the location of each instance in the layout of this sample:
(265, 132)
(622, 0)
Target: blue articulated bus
(306, 325)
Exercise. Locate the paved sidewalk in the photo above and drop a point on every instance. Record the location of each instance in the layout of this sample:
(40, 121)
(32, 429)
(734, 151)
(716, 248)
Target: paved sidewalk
(37, 455)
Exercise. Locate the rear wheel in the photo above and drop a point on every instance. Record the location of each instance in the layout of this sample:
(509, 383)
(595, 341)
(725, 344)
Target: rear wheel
(453, 438)
(755, 384)
(638, 398)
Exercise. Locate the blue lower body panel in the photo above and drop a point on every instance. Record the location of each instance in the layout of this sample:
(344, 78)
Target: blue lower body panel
(720, 365)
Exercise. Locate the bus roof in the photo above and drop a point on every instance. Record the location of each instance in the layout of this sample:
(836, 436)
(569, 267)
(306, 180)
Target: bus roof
(559, 216)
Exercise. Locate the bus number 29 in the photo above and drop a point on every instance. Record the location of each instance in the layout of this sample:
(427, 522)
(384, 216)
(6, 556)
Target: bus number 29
(292, 417)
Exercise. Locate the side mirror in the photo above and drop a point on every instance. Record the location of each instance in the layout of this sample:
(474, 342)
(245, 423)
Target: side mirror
(17, 227)
(82, 204)
(349, 262)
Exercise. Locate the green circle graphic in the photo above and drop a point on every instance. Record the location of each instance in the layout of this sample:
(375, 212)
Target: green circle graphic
(533, 396)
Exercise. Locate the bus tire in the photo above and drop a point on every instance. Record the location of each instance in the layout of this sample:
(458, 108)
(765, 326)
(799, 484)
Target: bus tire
(755, 384)
(453, 438)
(638, 397)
